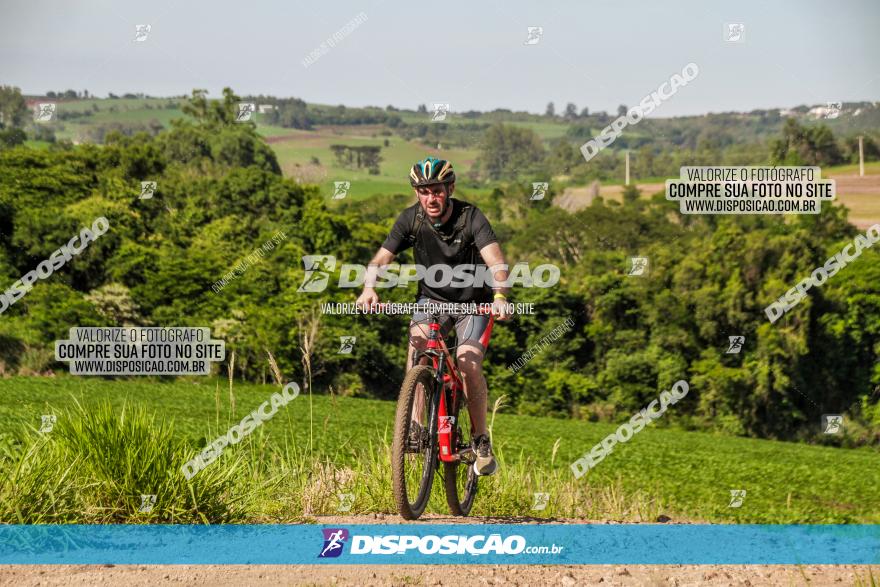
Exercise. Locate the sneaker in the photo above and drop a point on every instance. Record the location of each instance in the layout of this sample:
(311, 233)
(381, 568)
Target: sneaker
(485, 463)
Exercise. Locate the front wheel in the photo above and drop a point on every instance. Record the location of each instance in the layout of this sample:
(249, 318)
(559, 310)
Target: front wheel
(459, 478)
(414, 453)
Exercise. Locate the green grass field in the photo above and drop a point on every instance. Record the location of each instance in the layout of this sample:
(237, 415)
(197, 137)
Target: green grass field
(871, 168)
(123, 110)
(295, 150)
(686, 475)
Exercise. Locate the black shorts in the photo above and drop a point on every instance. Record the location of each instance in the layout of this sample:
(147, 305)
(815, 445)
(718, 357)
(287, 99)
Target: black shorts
(468, 329)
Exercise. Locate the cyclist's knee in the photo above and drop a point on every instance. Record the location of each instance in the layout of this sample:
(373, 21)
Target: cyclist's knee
(417, 342)
(418, 330)
(470, 361)
(470, 351)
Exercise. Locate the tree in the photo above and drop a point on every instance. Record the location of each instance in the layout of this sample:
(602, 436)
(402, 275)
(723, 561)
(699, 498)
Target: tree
(851, 148)
(13, 109)
(291, 113)
(551, 110)
(12, 137)
(631, 193)
(422, 109)
(622, 110)
(805, 145)
(366, 156)
(563, 157)
(585, 112)
(214, 112)
(114, 302)
(570, 111)
(509, 152)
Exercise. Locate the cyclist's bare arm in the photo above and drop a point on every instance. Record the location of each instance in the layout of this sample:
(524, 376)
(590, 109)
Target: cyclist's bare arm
(494, 259)
(382, 258)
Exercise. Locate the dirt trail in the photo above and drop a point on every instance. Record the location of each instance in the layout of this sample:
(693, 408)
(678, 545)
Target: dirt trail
(527, 575)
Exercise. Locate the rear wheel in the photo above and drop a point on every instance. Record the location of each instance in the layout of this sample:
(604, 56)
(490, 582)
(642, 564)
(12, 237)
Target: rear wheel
(414, 454)
(459, 477)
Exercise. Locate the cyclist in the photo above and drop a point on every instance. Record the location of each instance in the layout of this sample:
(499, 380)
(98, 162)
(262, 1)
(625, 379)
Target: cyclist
(451, 232)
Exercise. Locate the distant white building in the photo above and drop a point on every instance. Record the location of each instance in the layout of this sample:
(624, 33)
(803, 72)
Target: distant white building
(831, 110)
(265, 108)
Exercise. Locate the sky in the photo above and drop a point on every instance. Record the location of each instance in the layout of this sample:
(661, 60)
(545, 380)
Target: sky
(472, 55)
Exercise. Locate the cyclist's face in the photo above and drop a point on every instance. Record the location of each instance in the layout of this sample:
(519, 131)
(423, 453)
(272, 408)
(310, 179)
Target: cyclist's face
(433, 199)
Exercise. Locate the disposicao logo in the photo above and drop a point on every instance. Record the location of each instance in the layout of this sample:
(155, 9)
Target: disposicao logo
(318, 269)
(334, 540)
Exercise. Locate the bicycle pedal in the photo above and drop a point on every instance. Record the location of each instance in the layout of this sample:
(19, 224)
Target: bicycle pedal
(467, 455)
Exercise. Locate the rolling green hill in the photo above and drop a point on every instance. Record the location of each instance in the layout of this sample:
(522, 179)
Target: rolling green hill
(299, 149)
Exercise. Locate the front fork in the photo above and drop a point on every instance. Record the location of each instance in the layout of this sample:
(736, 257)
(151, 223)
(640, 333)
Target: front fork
(445, 422)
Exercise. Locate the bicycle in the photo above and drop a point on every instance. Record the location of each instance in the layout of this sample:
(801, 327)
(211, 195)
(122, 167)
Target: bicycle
(446, 437)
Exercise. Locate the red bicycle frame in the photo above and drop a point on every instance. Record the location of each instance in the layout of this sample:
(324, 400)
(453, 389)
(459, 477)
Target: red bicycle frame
(437, 349)
(452, 382)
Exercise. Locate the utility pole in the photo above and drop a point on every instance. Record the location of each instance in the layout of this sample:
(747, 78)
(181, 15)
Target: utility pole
(627, 164)
(861, 157)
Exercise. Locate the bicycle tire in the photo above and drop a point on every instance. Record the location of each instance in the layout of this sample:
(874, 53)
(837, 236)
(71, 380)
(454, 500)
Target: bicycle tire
(413, 510)
(459, 478)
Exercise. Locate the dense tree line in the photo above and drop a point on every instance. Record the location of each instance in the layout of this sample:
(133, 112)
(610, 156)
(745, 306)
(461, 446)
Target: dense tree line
(220, 194)
(357, 157)
(295, 113)
(509, 151)
(97, 133)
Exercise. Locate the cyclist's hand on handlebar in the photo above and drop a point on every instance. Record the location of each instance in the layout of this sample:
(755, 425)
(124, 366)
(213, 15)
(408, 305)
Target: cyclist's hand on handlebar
(500, 309)
(367, 299)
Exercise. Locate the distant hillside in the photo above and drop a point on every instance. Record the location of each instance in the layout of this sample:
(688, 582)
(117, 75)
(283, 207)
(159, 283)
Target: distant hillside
(306, 139)
(80, 117)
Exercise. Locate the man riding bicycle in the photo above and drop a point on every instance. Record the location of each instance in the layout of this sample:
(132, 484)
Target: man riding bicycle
(451, 232)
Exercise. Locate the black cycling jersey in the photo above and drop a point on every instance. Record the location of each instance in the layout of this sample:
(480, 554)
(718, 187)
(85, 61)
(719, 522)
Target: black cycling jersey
(457, 242)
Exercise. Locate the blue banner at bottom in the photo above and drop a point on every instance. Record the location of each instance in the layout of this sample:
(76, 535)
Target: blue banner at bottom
(581, 544)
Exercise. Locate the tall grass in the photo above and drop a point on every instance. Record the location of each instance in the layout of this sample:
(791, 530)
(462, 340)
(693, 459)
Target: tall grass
(96, 463)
